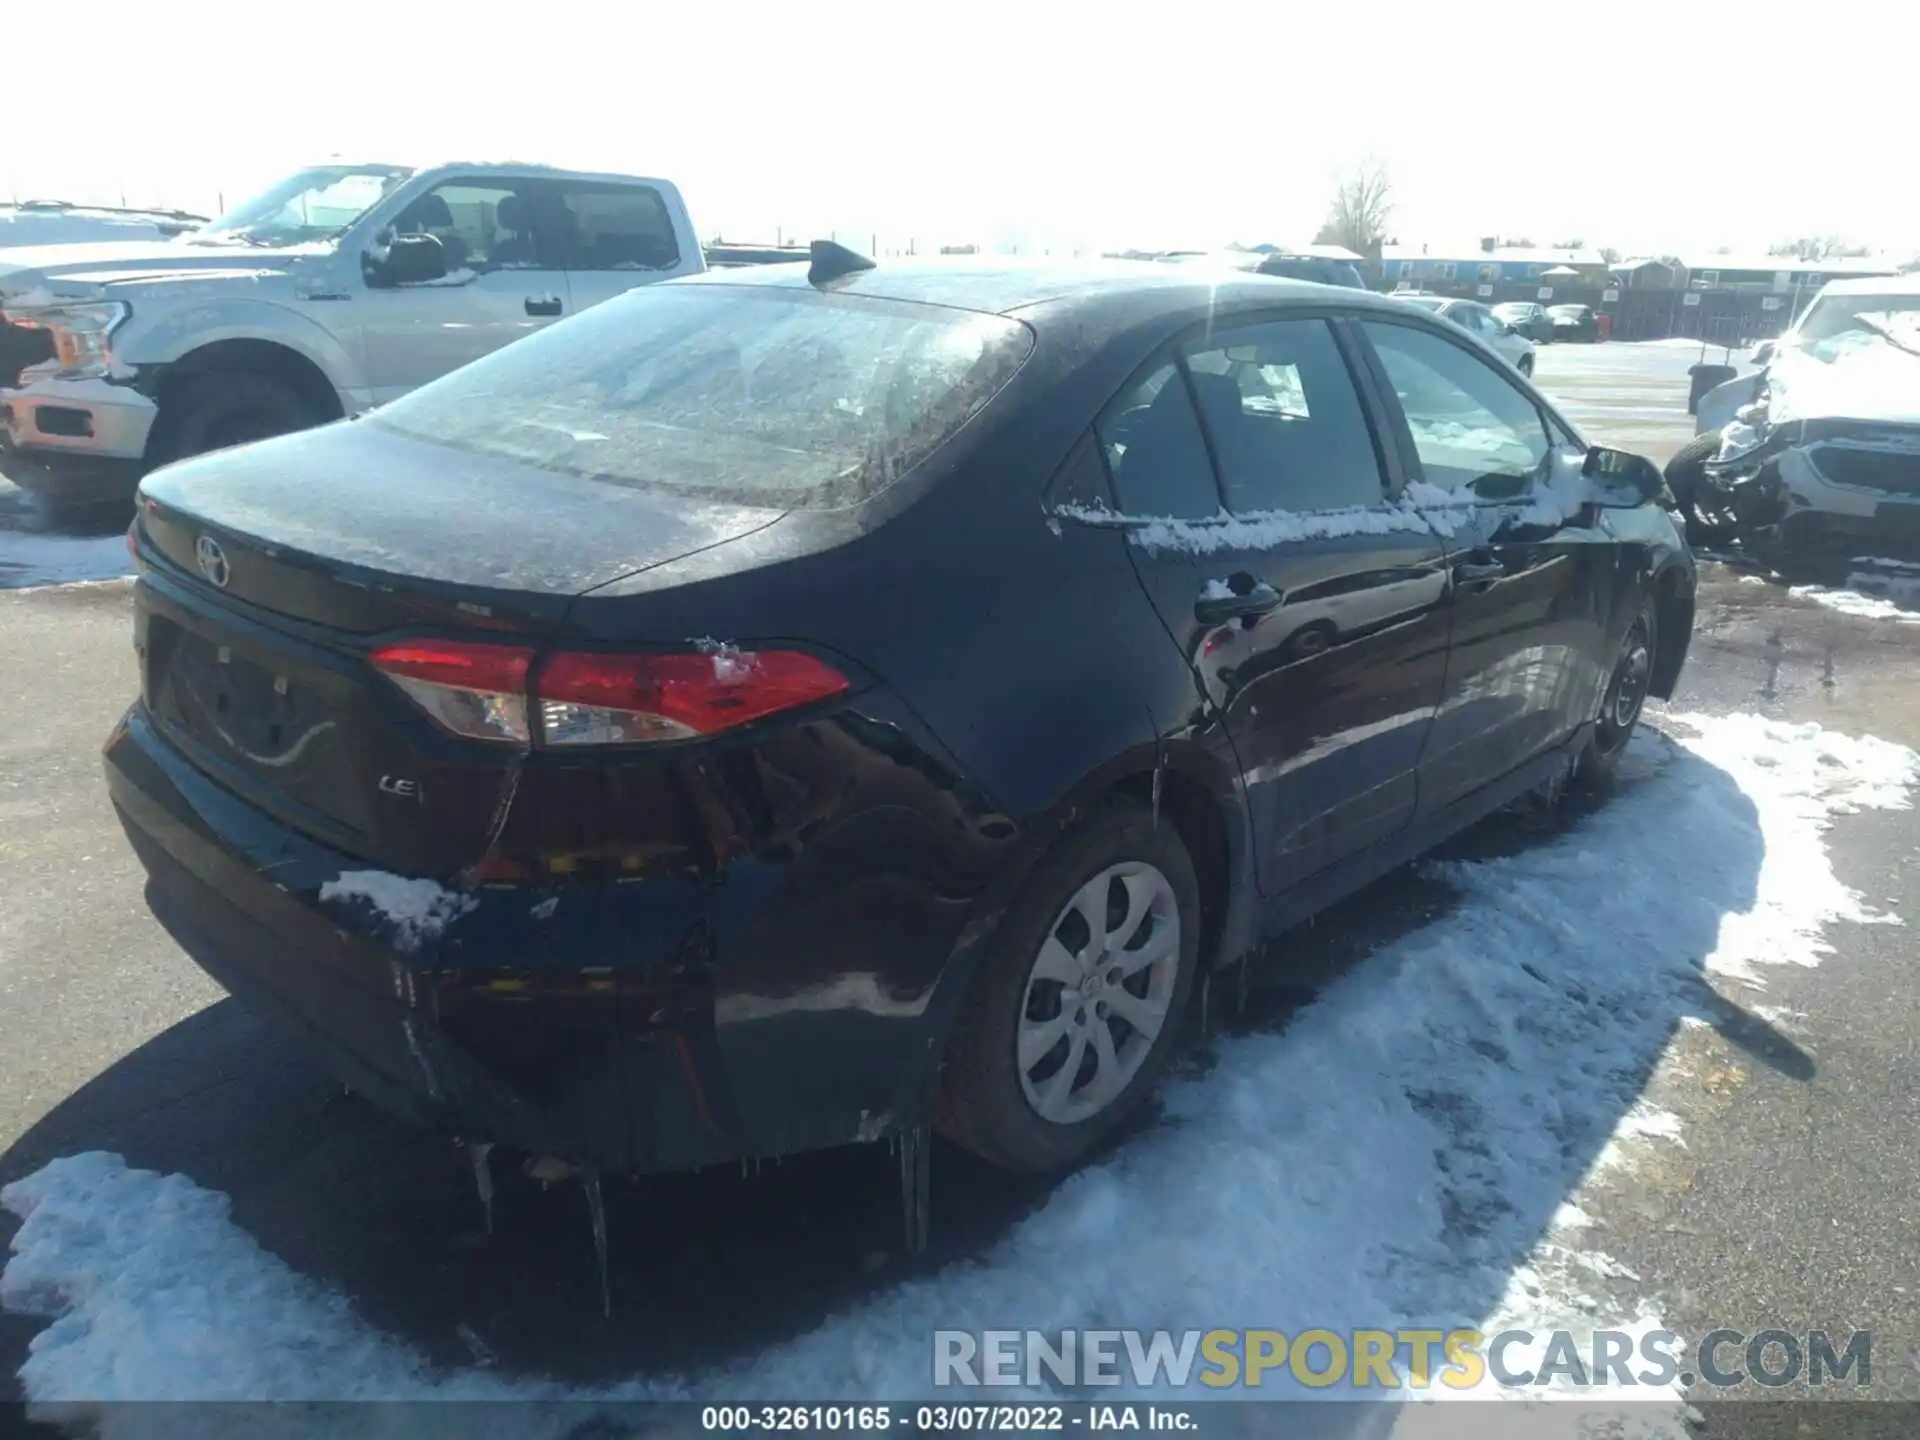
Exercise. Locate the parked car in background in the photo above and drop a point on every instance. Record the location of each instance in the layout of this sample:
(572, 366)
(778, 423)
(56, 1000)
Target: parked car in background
(339, 288)
(1818, 451)
(1322, 270)
(56, 222)
(535, 747)
(1528, 318)
(1477, 320)
(1574, 322)
(1318, 269)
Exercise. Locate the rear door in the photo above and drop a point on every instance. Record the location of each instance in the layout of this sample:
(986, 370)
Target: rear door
(615, 237)
(1309, 604)
(1533, 574)
(504, 280)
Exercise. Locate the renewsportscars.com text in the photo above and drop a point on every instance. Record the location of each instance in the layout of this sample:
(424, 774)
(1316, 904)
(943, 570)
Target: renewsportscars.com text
(1392, 1359)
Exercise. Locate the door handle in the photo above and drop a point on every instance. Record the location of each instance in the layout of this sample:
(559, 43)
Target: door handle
(543, 304)
(1218, 609)
(1479, 576)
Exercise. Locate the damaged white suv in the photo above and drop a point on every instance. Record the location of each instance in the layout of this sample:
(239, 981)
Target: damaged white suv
(340, 288)
(1819, 449)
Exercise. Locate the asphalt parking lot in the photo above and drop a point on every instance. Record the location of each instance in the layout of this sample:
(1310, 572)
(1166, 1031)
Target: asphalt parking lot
(1795, 1200)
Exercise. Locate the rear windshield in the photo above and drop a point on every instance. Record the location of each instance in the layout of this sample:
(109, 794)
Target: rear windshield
(1426, 302)
(747, 394)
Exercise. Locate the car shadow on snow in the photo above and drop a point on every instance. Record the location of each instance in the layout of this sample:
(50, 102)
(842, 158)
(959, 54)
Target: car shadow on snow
(713, 1266)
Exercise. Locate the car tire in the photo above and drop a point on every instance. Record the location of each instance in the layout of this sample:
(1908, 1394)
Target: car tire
(1034, 985)
(1622, 701)
(1525, 366)
(219, 410)
(1686, 477)
(1314, 638)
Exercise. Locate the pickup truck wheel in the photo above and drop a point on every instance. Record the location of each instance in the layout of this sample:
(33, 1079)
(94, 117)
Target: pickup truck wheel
(222, 409)
(1080, 998)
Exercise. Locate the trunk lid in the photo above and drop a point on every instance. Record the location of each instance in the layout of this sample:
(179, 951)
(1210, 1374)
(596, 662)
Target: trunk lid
(283, 565)
(366, 531)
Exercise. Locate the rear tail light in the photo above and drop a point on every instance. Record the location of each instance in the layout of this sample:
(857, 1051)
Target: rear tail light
(628, 699)
(580, 698)
(479, 691)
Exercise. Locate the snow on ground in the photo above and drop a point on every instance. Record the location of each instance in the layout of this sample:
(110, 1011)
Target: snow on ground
(27, 559)
(1871, 597)
(1410, 1151)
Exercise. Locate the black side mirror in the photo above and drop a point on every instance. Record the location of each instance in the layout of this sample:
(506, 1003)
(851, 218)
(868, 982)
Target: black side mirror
(408, 260)
(1621, 480)
(1763, 352)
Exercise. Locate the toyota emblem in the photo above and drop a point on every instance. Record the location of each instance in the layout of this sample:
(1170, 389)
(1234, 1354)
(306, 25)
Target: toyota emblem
(213, 561)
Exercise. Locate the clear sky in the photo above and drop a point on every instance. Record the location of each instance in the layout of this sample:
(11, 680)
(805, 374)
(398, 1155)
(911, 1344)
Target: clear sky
(1649, 127)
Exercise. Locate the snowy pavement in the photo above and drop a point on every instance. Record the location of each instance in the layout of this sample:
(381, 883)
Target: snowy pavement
(36, 549)
(1413, 1149)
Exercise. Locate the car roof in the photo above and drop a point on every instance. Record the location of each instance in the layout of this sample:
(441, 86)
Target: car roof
(1908, 284)
(1129, 290)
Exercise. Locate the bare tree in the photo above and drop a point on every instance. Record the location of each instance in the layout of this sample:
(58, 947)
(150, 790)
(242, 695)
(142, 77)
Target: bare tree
(1569, 245)
(1610, 255)
(1818, 247)
(1362, 201)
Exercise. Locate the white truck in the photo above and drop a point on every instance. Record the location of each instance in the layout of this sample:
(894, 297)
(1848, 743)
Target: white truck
(58, 222)
(336, 290)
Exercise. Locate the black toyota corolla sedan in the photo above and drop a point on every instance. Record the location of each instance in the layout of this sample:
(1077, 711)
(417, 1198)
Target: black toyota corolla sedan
(798, 706)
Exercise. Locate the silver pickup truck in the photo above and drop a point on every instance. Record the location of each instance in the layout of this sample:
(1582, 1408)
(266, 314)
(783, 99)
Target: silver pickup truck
(336, 290)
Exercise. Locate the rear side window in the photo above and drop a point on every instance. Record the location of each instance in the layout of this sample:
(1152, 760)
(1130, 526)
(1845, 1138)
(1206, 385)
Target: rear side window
(757, 395)
(617, 227)
(1286, 424)
(1156, 453)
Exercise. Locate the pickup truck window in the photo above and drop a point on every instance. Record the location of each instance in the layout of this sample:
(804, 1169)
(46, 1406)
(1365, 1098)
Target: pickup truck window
(750, 394)
(488, 225)
(617, 227)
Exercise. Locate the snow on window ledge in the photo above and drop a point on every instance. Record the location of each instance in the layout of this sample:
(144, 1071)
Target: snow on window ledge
(1421, 509)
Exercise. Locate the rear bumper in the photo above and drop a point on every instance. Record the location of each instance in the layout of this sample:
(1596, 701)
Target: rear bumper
(554, 1056)
(639, 1026)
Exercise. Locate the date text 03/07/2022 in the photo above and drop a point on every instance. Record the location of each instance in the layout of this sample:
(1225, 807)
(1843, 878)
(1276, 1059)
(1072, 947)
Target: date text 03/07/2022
(948, 1419)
